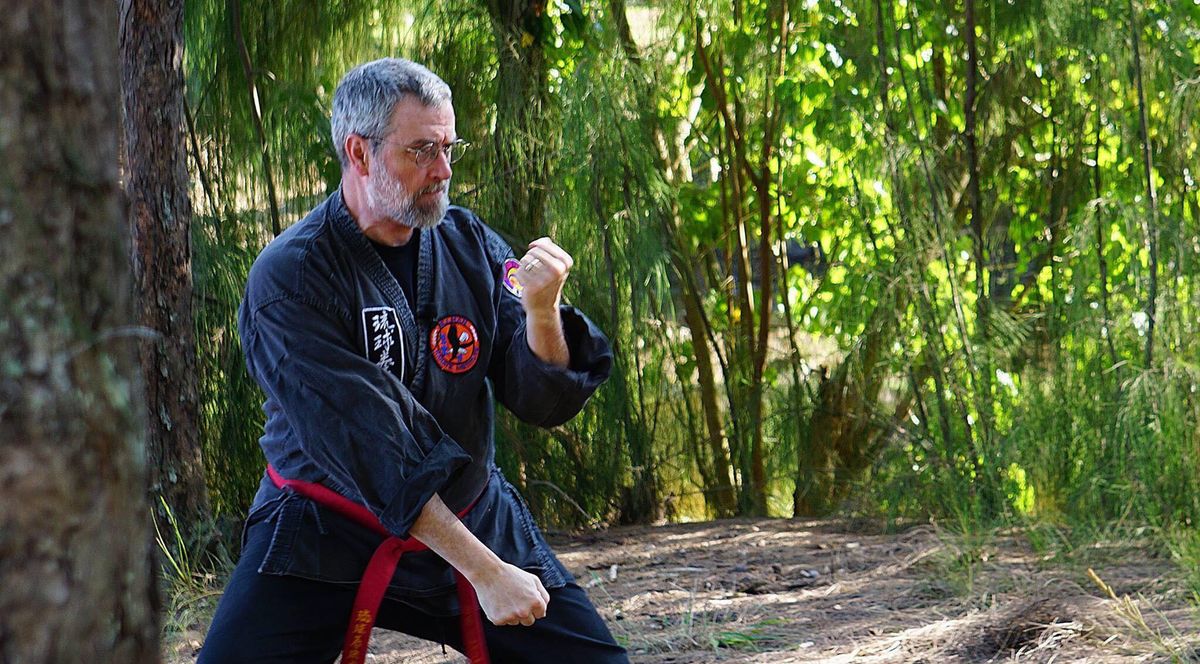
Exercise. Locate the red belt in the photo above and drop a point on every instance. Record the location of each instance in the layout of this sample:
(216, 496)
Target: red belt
(379, 574)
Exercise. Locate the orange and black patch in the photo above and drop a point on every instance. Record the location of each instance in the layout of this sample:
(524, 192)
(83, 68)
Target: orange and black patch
(454, 344)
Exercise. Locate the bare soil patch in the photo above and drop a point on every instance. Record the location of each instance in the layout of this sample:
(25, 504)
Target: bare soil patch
(772, 590)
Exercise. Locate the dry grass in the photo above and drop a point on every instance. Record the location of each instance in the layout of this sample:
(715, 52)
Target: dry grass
(827, 591)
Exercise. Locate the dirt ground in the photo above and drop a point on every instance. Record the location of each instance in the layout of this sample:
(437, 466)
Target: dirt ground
(830, 591)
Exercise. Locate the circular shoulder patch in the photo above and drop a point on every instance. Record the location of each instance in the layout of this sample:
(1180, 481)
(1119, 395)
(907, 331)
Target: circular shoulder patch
(512, 268)
(454, 344)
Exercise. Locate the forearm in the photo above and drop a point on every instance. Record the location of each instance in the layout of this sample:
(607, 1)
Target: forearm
(544, 334)
(440, 530)
(508, 595)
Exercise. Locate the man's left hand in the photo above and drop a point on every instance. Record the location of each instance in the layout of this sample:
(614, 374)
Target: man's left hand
(544, 270)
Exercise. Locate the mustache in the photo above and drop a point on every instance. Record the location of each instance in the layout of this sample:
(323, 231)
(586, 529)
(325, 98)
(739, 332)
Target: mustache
(433, 189)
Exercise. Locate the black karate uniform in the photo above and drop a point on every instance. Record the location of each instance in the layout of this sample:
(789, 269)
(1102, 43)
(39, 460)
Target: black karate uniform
(387, 402)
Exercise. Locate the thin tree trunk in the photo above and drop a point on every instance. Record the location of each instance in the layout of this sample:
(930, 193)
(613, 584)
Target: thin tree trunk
(156, 186)
(927, 299)
(750, 455)
(765, 264)
(644, 506)
(1150, 223)
(719, 491)
(982, 309)
(76, 563)
(723, 494)
(935, 344)
(526, 138)
(1101, 262)
(234, 7)
(201, 169)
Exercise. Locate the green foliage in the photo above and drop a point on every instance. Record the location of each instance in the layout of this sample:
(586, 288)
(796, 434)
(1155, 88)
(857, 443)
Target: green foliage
(661, 143)
(231, 403)
(187, 581)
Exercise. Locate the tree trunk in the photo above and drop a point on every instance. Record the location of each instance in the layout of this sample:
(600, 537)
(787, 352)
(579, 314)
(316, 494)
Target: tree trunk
(983, 373)
(928, 319)
(1150, 223)
(526, 140)
(156, 184)
(234, 9)
(722, 492)
(976, 202)
(76, 570)
(740, 176)
(1106, 331)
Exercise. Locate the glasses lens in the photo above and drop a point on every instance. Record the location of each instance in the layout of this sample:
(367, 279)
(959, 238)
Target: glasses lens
(426, 154)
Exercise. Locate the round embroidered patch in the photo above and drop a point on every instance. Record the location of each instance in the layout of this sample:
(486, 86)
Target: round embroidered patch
(512, 268)
(454, 344)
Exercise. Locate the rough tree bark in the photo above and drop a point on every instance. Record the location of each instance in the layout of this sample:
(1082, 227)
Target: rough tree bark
(160, 213)
(75, 548)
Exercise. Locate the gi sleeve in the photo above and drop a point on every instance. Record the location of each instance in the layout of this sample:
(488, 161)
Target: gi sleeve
(355, 421)
(535, 391)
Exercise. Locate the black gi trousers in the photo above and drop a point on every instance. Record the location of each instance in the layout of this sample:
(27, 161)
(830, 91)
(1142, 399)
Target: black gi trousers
(268, 618)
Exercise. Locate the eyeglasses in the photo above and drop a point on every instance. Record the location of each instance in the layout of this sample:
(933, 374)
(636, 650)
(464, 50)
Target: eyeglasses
(427, 153)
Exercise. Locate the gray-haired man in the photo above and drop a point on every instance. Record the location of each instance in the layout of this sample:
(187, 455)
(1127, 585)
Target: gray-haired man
(380, 327)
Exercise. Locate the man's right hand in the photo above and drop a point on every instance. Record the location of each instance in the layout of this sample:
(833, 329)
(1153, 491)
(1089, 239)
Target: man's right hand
(511, 596)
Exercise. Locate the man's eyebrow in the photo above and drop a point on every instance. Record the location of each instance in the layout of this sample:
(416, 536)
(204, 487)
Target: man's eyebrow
(422, 142)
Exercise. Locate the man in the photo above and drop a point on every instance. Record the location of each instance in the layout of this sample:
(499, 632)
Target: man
(380, 327)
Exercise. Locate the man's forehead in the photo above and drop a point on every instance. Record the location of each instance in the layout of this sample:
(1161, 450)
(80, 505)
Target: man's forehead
(413, 120)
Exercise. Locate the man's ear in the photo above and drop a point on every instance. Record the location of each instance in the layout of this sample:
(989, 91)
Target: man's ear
(358, 153)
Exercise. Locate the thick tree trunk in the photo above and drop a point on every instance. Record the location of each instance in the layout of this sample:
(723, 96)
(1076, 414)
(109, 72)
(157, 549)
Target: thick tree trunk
(75, 547)
(156, 183)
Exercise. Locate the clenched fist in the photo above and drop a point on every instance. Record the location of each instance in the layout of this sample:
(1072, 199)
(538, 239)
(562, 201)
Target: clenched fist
(544, 270)
(511, 596)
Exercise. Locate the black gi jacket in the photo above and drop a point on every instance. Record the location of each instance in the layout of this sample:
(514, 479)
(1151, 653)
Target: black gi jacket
(388, 402)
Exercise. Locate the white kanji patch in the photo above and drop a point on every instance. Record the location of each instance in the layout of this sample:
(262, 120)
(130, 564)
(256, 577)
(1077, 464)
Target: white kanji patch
(383, 339)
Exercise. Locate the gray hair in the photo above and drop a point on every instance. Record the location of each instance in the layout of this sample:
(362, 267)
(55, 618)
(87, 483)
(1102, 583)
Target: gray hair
(367, 95)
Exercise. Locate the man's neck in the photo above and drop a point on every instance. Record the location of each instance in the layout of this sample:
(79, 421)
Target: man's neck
(379, 229)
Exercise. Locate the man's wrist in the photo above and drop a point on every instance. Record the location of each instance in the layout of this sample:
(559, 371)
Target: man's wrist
(544, 334)
(543, 316)
(481, 568)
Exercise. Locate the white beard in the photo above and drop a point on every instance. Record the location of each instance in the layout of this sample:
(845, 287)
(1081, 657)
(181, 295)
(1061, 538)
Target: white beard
(389, 197)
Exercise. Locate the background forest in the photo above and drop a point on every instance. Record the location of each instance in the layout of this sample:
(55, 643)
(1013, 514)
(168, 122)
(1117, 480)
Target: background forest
(907, 259)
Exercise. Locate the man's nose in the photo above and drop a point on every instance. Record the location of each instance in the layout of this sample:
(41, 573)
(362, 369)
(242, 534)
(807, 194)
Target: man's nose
(440, 168)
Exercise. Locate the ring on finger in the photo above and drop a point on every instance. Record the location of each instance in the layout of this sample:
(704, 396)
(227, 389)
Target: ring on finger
(533, 264)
